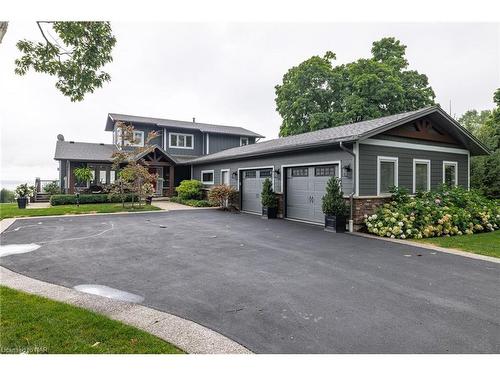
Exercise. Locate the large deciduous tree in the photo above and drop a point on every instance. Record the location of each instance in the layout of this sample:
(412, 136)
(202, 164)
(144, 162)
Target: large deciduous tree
(316, 94)
(485, 170)
(75, 55)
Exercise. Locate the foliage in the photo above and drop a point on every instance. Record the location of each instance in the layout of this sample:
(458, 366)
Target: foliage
(63, 199)
(445, 212)
(75, 57)
(35, 324)
(11, 209)
(333, 203)
(481, 243)
(24, 191)
(189, 189)
(267, 196)
(485, 170)
(192, 202)
(83, 174)
(222, 195)
(52, 188)
(6, 196)
(316, 95)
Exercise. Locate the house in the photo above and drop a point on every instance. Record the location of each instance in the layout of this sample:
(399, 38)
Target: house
(418, 150)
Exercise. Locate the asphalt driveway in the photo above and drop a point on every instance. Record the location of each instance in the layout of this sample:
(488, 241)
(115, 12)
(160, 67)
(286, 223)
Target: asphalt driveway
(274, 286)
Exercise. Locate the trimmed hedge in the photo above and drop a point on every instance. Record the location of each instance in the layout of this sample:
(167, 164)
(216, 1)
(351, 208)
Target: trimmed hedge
(191, 202)
(63, 199)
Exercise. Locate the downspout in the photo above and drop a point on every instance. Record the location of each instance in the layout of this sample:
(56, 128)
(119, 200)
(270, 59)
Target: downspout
(351, 196)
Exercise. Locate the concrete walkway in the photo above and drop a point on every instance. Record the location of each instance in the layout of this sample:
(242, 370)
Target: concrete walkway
(171, 206)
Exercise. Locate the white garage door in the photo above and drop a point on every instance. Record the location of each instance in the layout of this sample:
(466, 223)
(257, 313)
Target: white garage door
(306, 187)
(251, 188)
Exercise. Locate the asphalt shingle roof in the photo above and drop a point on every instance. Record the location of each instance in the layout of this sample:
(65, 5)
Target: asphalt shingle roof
(348, 132)
(211, 128)
(84, 151)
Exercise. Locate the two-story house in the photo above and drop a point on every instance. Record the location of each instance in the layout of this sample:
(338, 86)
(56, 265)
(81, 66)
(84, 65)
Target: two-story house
(178, 143)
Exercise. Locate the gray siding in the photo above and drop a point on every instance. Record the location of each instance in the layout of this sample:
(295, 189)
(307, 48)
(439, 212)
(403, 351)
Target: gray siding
(368, 166)
(219, 142)
(414, 140)
(325, 155)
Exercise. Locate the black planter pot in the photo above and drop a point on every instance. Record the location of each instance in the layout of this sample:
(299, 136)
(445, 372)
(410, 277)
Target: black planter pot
(335, 224)
(21, 202)
(269, 212)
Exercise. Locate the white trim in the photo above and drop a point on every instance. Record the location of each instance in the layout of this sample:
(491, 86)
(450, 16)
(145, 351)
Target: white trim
(247, 168)
(128, 143)
(455, 164)
(164, 136)
(208, 143)
(356, 172)
(421, 161)
(207, 171)
(413, 146)
(468, 171)
(395, 160)
(248, 141)
(181, 147)
(308, 165)
(228, 175)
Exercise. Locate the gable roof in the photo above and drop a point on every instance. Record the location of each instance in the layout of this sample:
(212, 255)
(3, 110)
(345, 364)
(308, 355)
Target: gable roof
(83, 151)
(166, 123)
(347, 133)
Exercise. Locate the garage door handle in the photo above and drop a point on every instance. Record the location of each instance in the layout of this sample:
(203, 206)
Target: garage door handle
(312, 199)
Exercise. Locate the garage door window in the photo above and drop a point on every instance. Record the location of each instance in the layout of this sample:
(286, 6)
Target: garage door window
(250, 174)
(265, 173)
(300, 172)
(326, 171)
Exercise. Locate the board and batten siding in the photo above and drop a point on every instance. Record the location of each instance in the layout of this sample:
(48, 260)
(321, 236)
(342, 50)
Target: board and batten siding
(368, 166)
(318, 156)
(219, 142)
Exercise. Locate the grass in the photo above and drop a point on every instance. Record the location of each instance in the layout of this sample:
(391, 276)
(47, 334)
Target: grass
(33, 324)
(480, 243)
(8, 210)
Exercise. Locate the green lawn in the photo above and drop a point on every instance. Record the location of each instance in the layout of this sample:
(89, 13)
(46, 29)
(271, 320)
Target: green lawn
(10, 209)
(34, 324)
(481, 243)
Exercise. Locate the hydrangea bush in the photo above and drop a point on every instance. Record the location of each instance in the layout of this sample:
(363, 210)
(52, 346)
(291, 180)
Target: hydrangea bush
(445, 212)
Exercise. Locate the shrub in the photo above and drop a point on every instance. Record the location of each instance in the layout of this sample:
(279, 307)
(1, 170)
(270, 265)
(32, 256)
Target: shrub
(63, 199)
(6, 196)
(52, 188)
(333, 203)
(446, 212)
(191, 202)
(24, 191)
(222, 195)
(189, 189)
(267, 197)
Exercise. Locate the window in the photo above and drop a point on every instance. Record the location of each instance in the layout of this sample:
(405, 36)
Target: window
(207, 177)
(328, 170)
(177, 140)
(92, 180)
(111, 177)
(243, 141)
(102, 176)
(300, 172)
(250, 174)
(387, 174)
(265, 173)
(138, 138)
(450, 173)
(421, 175)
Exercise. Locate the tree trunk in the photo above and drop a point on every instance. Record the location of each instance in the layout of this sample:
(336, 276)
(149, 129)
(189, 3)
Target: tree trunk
(3, 29)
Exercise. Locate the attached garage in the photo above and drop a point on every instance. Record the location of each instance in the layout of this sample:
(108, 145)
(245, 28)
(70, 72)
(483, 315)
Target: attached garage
(251, 181)
(305, 188)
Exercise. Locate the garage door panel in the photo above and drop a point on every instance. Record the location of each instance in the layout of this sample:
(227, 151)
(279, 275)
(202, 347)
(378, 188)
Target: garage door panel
(252, 181)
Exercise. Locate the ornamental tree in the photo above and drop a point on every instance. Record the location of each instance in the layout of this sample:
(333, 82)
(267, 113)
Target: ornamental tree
(333, 203)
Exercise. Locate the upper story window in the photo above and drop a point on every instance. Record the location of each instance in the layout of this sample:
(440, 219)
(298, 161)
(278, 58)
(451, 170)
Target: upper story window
(387, 174)
(178, 140)
(450, 173)
(244, 141)
(138, 138)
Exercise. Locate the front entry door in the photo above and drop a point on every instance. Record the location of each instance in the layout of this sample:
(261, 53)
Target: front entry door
(159, 181)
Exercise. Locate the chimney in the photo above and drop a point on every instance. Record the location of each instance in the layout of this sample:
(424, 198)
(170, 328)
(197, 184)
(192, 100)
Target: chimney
(194, 119)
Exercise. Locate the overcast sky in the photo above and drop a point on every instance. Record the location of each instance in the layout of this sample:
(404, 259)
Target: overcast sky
(222, 74)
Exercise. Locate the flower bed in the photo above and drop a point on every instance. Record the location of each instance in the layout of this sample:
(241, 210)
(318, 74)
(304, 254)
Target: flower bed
(446, 212)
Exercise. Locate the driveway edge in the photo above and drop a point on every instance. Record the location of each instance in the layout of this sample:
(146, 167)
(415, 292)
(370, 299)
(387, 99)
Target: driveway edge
(185, 334)
(430, 247)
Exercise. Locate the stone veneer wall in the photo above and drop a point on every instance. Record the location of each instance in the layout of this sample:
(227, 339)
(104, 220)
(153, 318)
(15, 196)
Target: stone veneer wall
(366, 206)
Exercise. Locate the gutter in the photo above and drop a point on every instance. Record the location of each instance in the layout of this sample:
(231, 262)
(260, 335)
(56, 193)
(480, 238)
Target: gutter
(354, 182)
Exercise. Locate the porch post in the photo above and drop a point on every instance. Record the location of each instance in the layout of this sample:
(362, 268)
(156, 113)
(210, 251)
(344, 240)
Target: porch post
(171, 178)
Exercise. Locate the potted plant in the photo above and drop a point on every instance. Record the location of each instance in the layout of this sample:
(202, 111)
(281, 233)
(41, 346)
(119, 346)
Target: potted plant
(334, 207)
(268, 200)
(23, 192)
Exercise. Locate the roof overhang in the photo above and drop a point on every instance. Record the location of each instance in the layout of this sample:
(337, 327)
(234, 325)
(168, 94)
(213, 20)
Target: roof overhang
(155, 148)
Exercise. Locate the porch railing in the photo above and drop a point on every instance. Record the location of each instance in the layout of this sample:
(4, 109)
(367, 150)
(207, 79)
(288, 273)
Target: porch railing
(40, 184)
